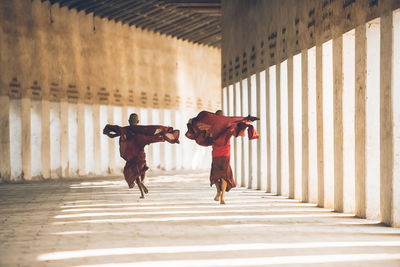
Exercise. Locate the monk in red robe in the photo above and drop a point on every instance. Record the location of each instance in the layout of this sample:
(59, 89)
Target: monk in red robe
(133, 139)
(216, 130)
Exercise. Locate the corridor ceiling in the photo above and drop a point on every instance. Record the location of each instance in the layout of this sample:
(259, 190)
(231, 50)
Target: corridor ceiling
(197, 21)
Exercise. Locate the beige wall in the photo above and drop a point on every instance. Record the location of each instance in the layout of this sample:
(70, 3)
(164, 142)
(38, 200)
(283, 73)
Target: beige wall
(65, 74)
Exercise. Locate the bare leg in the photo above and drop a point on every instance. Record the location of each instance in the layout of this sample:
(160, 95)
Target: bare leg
(139, 183)
(143, 186)
(223, 188)
(218, 186)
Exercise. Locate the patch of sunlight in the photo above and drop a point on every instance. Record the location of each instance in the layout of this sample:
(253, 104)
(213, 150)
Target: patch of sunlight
(62, 255)
(72, 233)
(99, 214)
(227, 207)
(233, 217)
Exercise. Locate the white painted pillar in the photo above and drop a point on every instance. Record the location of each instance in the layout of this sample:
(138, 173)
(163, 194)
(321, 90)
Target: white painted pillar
(360, 120)
(15, 139)
(111, 141)
(305, 147)
(73, 149)
(278, 129)
(253, 144)
(5, 167)
(297, 117)
(373, 120)
(320, 126)
(245, 141)
(250, 157)
(238, 140)
(45, 142)
(396, 118)
(64, 152)
(273, 130)
(349, 121)
(337, 50)
(26, 138)
(284, 128)
(268, 128)
(387, 124)
(173, 149)
(230, 98)
(261, 145)
(288, 144)
(312, 127)
(97, 133)
(81, 139)
(328, 144)
(36, 139)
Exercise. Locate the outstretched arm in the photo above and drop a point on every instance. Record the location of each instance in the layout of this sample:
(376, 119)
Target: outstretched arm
(112, 130)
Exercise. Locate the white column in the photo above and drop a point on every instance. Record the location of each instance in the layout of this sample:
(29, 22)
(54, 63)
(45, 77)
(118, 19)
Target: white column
(298, 126)
(26, 138)
(97, 133)
(45, 124)
(64, 152)
(245, 142)
(312, 127)
(268, 129)
(337, 47)
(5, 168)
(249, 143)
(360, 120)
(328, 144)
(239, 140)
(349, 121)
(261, 144)
(320, 126)
(283, 131)
(387, 123)
(111, 141)
(396, 118)
(272, 100)
(81, 139)
(305, 147)
(278, 130)
(373, 120)
(288, 133)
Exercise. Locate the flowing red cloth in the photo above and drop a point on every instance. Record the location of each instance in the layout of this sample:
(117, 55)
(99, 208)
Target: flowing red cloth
(132, 141)
(210, 129)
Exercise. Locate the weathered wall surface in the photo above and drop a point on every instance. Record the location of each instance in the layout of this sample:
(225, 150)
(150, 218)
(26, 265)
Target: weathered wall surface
(59, 54)
(64, 75)
(261, 33)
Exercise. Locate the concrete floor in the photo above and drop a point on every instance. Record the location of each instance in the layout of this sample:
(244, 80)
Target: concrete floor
(99, 222)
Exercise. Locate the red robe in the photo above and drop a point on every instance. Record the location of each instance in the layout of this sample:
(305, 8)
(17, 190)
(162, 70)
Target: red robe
(211, 129)
(216, 130)
(132, 141)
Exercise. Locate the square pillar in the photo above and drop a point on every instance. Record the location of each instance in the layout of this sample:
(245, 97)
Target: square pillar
(268, 129)
(337, 49)
(46, 159)
(387, 123)
(250, 147)
(278, 131)
(81, 139)
(97, 132)
(320, 126)
(111, 141)
(26, 138)
(360, 120)
(290, 126)
(396, 119)
(64, 151)
(304, 129)
(5, 164)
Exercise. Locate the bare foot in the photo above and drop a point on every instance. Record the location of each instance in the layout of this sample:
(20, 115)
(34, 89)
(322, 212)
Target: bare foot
(216, 198)
(222, 202)
(141, 196)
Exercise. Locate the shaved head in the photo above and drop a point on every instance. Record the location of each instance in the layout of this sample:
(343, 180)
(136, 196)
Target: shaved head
(219, 112)
(133, 119)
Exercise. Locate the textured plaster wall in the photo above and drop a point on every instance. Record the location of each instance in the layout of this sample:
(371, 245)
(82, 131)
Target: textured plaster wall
(71, 73)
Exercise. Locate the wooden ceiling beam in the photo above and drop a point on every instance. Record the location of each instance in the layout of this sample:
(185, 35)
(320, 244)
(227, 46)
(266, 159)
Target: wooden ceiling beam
(125, 16)
(125, 8)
